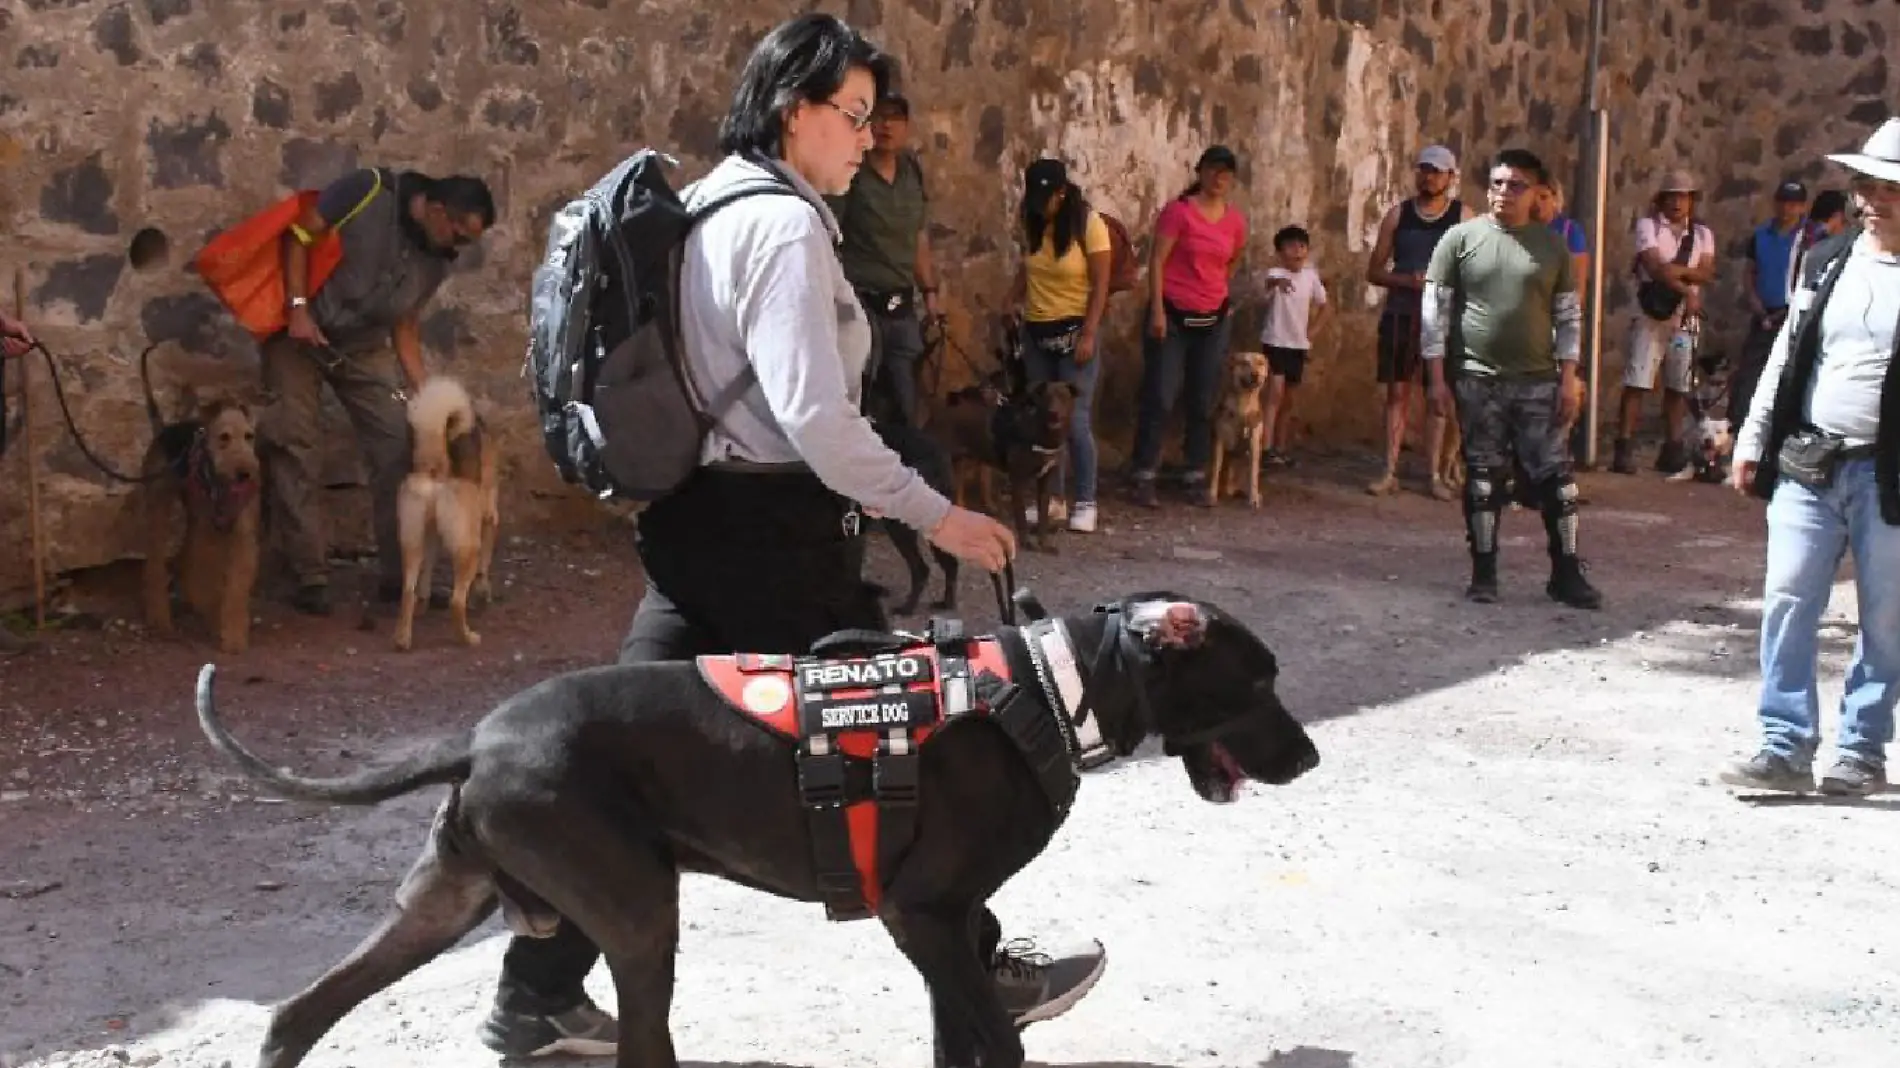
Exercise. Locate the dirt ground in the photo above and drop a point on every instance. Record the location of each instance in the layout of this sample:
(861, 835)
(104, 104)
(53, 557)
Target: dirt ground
(1514, 853)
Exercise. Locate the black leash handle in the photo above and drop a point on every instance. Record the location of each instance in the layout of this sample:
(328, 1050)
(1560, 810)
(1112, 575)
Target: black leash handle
(1004, 582)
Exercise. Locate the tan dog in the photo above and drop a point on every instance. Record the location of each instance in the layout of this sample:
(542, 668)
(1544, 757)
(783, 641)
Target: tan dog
(452, 495)
(1239, 420)
(207, 467)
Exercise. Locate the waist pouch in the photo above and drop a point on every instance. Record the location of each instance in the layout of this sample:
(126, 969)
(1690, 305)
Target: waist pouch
(890, 303)
(1812, 457)
(1057, 337)
(1195, 322)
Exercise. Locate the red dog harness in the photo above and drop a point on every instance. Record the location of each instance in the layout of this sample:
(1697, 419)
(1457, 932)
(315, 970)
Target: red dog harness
(881, 705)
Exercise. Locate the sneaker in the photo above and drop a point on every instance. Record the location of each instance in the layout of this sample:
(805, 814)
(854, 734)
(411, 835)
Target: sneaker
(1442, 491)
(582, 1031)
(1145, 494)
(1276, 458)
(1082, 520)
(1035, 986)
(1854, 776)
(1769, 770)
(1384, 485)
(1058, 511)
(1568, 586)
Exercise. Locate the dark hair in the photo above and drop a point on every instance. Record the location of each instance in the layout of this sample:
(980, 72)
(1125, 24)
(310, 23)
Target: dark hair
(461, 194)
(1827, 204)
(1523, 159)
(1290, 234)
(804, 59)
(1071, 219)
(1214, 156)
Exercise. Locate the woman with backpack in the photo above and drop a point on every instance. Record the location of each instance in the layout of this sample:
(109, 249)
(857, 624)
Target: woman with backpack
(1198, 240)
(1059, 294)
(759, 549)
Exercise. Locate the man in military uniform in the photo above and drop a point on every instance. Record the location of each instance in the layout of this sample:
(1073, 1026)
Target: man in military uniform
(1510, 283)
(885, 249)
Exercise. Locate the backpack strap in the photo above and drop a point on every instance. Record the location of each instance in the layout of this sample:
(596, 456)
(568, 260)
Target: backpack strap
(304, 237)
(723, 401)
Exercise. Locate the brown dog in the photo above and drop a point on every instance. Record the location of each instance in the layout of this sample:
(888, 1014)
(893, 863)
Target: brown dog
(1023, 437)
(1239, 420)
(207, 467)
(452, 495)
(961, 423)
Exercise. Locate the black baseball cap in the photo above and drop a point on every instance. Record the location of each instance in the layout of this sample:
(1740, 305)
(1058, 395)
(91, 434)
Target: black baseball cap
(893, 102)
(1792, 191)
(1218, 156)
(1046, 175)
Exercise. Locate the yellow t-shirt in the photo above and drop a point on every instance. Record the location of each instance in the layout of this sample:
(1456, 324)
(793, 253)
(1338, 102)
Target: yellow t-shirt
(1059, 288)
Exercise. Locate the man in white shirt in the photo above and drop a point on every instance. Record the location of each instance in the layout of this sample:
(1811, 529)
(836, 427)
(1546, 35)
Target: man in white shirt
(1674, 276)
(1822, 443)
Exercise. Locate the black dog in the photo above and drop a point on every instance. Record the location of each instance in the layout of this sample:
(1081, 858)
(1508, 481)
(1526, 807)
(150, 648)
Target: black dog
(584, 798)
(1030, 434)
(922, 454)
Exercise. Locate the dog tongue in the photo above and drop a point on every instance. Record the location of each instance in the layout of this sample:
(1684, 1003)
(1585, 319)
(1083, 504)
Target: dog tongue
(1228, 766)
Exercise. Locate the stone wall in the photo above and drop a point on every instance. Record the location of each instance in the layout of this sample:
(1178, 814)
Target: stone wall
(184, 115)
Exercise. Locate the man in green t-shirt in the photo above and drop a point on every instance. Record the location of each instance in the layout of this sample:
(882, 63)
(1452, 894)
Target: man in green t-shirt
(1506, 283)
(884, 224)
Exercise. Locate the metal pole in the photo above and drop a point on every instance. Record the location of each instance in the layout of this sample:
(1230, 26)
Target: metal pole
(1593, 308)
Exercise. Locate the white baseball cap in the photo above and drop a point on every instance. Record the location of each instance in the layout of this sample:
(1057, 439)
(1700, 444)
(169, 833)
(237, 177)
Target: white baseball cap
(1439, 157)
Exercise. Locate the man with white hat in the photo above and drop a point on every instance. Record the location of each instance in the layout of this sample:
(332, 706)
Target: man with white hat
(1675, 258)
(1822, 444)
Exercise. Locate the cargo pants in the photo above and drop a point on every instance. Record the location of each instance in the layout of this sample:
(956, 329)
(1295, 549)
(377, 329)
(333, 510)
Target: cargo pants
(366, 385)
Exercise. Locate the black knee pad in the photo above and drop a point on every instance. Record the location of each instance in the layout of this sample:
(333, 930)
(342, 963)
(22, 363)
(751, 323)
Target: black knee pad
(1557, 494)
(1487, 489)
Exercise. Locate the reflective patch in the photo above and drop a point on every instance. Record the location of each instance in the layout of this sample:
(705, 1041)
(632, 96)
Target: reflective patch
(765, 693)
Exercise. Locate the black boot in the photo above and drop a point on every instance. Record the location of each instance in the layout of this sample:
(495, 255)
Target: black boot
(1672, 457)
(1567, 585)
(1484, 578)
(1621, 462)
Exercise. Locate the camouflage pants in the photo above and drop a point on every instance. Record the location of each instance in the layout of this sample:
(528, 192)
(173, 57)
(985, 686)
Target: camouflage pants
(1502, 419)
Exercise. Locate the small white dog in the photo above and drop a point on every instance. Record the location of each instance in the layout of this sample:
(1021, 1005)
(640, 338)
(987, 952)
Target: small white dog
(1711, 444)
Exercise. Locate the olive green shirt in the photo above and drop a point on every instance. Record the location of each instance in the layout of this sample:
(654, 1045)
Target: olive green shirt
(1504, 285)
(881, 223)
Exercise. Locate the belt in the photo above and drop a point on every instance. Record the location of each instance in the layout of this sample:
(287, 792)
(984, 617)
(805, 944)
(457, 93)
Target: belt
(754, 467)
(1859, 452)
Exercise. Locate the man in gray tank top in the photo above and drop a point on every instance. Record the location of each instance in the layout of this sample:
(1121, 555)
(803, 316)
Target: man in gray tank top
(360, 333)
(1407, 235)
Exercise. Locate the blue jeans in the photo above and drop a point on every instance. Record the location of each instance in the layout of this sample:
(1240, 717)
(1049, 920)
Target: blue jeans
(1042, 367)
(1808, 533)
(1167, 364)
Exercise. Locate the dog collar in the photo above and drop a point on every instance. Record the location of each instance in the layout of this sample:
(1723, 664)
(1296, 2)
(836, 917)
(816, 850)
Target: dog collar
(1052, 652)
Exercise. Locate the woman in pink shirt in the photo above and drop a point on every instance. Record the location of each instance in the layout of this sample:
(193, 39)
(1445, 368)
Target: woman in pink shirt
(1198, 240)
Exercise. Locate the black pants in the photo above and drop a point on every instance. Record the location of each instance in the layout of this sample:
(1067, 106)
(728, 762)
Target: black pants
(801, 580)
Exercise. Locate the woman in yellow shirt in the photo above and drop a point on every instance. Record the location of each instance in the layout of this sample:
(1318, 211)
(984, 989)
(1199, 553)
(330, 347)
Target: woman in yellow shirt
(1060, 291)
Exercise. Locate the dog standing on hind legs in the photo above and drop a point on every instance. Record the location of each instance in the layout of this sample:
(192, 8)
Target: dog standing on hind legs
(207, 466)
(451, 496)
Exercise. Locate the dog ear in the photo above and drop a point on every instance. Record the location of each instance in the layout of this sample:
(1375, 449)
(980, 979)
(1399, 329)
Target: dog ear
(1169, 624)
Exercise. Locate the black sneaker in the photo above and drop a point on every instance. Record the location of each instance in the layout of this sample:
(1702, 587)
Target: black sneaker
(312, 599)
(1769, 770)
(1035, 986)
(1484, 579)
(1568, 586)
(1145, 495)
(1854, 776)
(582, 1031)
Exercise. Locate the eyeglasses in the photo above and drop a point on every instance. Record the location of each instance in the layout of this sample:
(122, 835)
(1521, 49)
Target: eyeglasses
(858, 119)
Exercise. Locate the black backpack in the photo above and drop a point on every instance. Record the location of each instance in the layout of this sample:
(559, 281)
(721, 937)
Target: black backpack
(619, 413)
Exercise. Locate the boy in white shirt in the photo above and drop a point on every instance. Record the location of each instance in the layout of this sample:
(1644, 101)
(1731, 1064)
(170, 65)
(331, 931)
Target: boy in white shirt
(1296, 310)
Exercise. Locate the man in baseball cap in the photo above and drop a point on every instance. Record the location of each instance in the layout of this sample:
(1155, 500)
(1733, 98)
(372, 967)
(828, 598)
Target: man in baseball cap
(1767, 278)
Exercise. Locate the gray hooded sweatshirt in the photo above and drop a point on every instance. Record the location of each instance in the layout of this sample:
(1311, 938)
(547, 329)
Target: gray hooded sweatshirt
(761, 283)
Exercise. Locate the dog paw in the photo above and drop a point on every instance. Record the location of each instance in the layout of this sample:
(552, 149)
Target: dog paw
(469, 637)
(234, 646)
(1253, 501)
(401, 641)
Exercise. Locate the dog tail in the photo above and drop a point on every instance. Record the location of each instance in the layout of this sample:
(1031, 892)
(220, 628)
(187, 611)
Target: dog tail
(440, 412)
(443, 761)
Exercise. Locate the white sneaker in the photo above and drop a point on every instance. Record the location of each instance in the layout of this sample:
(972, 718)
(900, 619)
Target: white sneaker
(1058, 511)
(1083, 519)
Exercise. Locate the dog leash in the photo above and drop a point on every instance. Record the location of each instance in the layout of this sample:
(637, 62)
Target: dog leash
(1004, 583)
(59, 394)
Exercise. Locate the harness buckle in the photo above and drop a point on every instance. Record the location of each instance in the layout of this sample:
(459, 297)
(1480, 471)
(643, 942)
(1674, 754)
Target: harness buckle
(821, 778)
(894, 772)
